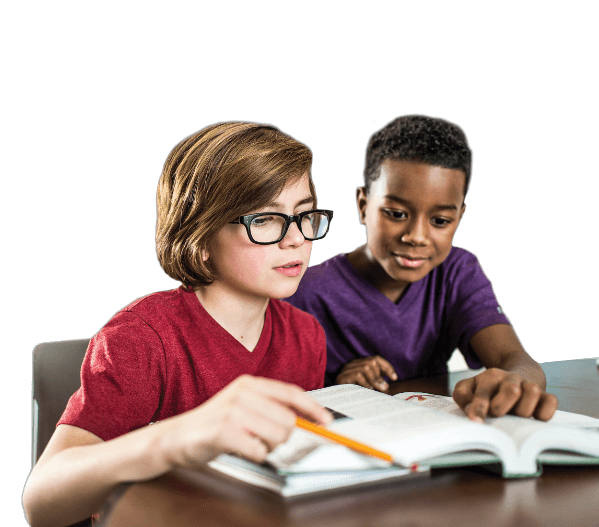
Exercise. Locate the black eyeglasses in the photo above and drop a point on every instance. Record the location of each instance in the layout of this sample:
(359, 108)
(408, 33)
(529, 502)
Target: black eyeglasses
(265, 228)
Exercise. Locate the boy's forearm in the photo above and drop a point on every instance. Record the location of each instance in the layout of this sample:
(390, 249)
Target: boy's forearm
(74, 483)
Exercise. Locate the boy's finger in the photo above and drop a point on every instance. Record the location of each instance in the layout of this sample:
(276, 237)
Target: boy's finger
(386, 368)
(531, 395)
(364, 372)
(270, 431)
(249, 431)
(479, 406)
(250, 447)
(464, 392)
(380, 385)
(254, 403)
(507, 397)
(362, 380)
(477, 409)
(288, 395)
(354, 377)
(547, 406)
(371, 370)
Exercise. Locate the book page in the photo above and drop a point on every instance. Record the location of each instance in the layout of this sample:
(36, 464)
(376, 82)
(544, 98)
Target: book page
(448, 405)
(429, 400)
(575, 420)
(518, 428)
(378, 408)
(408, 432)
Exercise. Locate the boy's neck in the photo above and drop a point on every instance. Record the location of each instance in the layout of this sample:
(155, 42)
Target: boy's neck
(366, 266)
(241, 317)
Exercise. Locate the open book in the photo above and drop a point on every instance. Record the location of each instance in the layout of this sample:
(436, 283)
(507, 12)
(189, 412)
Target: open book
(421, 431)
(432, 431)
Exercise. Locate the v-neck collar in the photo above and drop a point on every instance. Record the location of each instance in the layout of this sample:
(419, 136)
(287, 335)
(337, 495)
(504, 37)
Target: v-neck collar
(251, 358)
(409, 295)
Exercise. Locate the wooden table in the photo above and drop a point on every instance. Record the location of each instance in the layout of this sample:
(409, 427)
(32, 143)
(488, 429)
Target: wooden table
(562, 496)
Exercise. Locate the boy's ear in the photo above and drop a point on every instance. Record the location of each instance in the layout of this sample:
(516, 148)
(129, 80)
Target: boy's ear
(463, 210)
(361, 200)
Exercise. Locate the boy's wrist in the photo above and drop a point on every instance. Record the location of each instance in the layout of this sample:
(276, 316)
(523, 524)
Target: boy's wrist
(169, 450)
(528, 370)
(145, 454)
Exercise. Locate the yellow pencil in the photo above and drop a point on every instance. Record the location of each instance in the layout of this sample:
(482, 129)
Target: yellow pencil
(342, 440)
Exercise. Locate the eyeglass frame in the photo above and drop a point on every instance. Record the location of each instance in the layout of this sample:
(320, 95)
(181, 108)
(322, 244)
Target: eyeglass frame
(247, 219)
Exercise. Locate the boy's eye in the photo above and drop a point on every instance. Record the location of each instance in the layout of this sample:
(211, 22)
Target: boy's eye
(401, 215)
(262, 221)
(395, 214)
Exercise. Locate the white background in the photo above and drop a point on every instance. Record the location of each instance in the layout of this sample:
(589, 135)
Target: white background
(94, 97)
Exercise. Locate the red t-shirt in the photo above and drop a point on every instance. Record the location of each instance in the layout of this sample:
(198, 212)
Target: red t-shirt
(164, 354)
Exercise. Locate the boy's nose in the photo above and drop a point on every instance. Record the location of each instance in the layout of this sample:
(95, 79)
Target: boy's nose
(415, 233)
(293, 236)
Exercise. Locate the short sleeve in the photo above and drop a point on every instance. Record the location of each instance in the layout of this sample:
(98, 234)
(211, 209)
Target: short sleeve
(122, 379)
(472, 304)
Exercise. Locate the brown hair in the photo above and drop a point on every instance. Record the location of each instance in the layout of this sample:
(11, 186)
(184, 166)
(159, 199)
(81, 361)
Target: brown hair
(210, 178)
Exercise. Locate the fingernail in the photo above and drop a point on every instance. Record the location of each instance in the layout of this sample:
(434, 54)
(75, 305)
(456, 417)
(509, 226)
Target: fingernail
(476, 417)
(326, 417)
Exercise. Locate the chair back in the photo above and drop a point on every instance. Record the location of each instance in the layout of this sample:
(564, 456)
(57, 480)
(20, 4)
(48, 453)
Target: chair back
(56, 376)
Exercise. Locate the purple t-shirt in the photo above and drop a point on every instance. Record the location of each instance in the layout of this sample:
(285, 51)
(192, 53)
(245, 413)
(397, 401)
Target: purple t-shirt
(435, 315)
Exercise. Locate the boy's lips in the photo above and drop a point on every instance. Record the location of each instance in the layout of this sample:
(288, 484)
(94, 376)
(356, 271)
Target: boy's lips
(291, 268)
(410, 261)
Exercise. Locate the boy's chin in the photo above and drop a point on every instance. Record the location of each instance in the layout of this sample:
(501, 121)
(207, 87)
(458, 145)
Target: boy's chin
(285, 294)
(409, 276)
(284, 291)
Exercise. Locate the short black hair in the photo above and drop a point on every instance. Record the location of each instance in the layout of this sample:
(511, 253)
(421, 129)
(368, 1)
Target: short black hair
(418, 138)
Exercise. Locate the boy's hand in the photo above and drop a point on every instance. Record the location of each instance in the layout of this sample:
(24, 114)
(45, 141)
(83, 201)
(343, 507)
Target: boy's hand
(367, 372)
(496, 392)
(250, 416)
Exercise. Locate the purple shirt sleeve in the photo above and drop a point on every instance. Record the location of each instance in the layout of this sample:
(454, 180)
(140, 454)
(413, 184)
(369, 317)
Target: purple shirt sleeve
(471, 303)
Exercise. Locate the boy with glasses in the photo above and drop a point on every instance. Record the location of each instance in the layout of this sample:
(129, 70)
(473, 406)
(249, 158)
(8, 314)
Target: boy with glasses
(218, 365)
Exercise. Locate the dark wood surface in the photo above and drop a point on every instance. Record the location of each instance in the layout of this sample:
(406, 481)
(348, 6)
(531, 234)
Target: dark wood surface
(562, 496)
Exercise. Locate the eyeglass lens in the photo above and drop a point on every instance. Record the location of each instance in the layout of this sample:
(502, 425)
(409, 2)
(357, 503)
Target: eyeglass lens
(266, 229)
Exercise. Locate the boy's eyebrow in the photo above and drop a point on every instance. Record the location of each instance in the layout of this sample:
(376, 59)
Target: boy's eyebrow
(276, 204)
(406, 202)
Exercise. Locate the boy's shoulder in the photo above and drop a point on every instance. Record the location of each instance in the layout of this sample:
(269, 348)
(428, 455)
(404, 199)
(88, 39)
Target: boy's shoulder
(460, 269)
(327, 271)
(458, 261)
(149, 303)
(334, 278)
(459, 256)
(161, 308)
